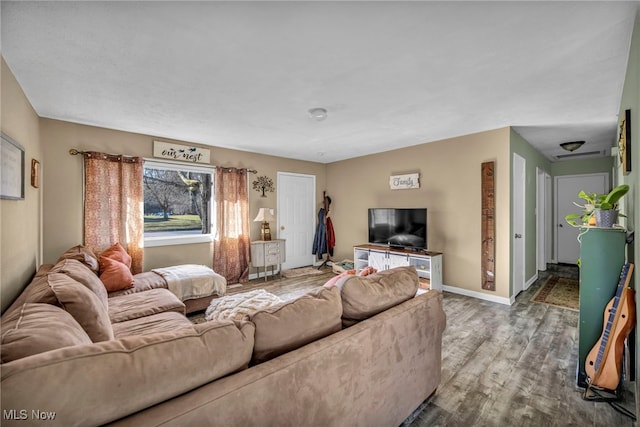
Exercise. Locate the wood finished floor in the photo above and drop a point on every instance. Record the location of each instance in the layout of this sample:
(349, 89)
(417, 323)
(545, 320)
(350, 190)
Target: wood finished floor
(501, 365)
(513, 366)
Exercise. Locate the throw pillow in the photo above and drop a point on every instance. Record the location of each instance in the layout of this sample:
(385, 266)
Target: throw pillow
(115, 275)
(295, 323)
(118, 253)
(83, 275)
(367, 271)
(83, 305)
(36, 328)
(363, 297)
(82, 254)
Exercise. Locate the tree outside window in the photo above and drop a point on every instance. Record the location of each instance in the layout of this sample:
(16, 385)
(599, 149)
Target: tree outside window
(177, 200)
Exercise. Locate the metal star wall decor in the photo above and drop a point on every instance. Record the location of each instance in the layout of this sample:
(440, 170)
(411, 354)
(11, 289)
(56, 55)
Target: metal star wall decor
(264, 184)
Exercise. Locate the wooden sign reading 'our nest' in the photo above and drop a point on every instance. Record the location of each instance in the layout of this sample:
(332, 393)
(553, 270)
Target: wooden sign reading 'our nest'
(184, 153)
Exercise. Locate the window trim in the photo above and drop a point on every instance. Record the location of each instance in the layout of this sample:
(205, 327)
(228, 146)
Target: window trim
(150, 242)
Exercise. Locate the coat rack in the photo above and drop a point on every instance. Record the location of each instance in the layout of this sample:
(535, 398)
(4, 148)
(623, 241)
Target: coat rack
(324, 238)
(326, 202)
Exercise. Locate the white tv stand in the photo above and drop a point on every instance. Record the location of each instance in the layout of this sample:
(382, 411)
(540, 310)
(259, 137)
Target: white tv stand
(427, 263)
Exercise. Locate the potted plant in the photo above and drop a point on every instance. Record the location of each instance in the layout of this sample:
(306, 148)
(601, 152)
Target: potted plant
(600, 210)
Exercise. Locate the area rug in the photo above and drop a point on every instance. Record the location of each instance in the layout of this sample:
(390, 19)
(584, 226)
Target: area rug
(302, 271)
(560, 292)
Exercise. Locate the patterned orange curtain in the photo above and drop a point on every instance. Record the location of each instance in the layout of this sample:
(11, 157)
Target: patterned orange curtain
(232, 244)
(113, 204)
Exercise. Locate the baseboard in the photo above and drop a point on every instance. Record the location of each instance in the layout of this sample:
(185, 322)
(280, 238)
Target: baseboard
(478, 295)
(531, 281)
(253, 276)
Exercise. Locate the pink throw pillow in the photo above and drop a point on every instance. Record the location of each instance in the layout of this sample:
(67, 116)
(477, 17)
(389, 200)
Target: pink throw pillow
(115, 275)
(118, 253)
(332, 282)
(367, 271)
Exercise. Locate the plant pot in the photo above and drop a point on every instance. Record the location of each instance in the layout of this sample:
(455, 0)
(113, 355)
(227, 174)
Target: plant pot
(606, 218)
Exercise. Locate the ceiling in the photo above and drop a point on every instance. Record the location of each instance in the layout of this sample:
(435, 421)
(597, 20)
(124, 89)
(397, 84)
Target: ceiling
(243, 75)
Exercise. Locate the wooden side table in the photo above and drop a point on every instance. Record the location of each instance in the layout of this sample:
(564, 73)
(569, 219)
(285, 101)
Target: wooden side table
(266, 253)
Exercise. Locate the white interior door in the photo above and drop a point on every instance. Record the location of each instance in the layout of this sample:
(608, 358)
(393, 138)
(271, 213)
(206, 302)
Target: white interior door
(518, 238)
(296, 217)
(567, 189)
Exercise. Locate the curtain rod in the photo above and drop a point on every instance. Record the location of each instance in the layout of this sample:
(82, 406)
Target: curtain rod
(231, 168)
(75, 152)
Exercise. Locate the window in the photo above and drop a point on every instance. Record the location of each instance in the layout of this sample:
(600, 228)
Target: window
(177, 203)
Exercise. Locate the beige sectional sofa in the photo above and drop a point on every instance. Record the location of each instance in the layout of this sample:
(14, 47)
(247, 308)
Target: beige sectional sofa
(74, 355)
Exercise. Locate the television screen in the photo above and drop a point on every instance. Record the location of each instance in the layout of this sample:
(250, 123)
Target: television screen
(405, 228)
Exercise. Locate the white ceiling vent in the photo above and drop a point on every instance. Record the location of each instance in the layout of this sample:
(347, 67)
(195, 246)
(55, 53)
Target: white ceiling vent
(576, 155)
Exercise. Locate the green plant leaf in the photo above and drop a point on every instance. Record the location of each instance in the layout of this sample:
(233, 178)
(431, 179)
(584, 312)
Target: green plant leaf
(572, 219)
(616, 194)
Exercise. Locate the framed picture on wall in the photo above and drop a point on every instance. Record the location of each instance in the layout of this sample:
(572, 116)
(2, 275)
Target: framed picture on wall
(35, 173)
(11, 169)
(624, 143)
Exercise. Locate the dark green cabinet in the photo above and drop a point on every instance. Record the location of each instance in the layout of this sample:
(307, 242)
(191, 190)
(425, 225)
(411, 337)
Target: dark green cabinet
(602, 255)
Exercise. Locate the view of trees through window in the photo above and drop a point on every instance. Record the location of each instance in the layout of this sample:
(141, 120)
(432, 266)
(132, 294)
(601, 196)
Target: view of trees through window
(177, 202)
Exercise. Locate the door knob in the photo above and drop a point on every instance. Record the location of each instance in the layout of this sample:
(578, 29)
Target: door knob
(518, 236)
(282, 227)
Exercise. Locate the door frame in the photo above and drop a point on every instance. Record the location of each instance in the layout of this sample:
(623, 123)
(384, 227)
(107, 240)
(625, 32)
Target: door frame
(519, 183)
(543, 217)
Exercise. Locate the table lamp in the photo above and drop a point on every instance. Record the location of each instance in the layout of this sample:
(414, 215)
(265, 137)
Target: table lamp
(264, 216)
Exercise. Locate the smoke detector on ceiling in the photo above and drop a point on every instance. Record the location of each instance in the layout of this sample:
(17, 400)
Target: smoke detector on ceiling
(318, 113)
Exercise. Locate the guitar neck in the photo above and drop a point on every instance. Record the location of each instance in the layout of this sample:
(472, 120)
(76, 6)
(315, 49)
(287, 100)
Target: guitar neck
(623, 282)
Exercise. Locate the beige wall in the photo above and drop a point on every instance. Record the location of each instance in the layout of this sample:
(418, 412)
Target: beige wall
(449, 189)
(63, 198)
(20, 231)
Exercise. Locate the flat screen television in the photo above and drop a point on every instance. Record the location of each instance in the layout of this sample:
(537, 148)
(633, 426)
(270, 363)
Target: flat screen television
(406, 228)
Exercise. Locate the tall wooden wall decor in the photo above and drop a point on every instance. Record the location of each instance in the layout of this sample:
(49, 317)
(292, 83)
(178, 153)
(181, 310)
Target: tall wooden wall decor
(488, 227)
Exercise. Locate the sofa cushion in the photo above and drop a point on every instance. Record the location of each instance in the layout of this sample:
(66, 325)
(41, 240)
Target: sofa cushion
(240, 306)
(102, 382)
(36, 328)
(143, 282)
(38, 291)
(83, 305)
(127, 307)
(294, 323)
(115, 275)
(81, 274)
(363, 297)
(82, 254)
(148, 325)
(118, 253)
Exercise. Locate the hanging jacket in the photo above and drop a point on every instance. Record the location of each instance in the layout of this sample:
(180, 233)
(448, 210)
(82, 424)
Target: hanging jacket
(331, 237)
(320, 238)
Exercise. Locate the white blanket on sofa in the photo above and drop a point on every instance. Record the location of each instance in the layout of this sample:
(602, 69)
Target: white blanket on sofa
(189, 281)
(240, 306)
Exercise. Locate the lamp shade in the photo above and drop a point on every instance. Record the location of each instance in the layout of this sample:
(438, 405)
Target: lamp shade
(264, 215)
